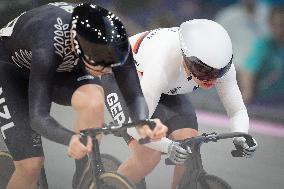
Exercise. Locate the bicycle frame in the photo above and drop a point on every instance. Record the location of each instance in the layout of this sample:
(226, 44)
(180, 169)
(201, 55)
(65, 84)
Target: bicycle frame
(194, 166)
(194, 169)
(96, 162)
(42, 181)
(94, 158)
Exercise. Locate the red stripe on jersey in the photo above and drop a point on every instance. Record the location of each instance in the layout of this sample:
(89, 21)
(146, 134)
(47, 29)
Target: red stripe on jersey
(138, 42)
(141, 73)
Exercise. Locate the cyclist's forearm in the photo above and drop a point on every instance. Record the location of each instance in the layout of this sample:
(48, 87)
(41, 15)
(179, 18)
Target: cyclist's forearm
(161, 145)
(231, 98)
(239, 122)
(51, 129)
(138, 109)
(128, 82)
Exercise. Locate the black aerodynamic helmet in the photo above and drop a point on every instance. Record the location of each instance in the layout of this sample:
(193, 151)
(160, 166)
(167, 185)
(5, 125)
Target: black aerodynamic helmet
(99, 36)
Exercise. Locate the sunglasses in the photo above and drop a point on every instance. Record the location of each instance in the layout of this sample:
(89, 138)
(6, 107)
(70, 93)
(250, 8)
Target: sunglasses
(204, 72)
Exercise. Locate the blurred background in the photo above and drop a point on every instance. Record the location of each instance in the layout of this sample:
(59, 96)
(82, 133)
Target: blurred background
(256, 28)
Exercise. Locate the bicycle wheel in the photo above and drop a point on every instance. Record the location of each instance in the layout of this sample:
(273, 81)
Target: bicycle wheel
(7, 168)
(212, 182)
(111, 164)
(42, 180)
(110, 180)
(114, 180)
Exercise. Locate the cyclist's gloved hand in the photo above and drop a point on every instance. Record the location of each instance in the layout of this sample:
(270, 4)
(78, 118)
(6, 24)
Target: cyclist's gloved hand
(177, 154)
(242, 145)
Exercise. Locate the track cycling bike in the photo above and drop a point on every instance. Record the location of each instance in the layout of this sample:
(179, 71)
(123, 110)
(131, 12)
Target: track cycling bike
(93, 175)
(98, 171)
(195, 176)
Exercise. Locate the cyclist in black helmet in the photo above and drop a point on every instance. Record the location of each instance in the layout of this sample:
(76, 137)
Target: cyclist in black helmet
(58, 53)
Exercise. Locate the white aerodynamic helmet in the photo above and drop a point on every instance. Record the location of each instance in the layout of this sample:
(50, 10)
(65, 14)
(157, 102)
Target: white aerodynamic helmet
(206, 48)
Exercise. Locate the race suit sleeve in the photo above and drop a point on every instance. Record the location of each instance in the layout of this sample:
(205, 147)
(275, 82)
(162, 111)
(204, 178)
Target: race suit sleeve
(128, 82)
(231, 98)
(159, 59)
(40, 98)
(152, 83)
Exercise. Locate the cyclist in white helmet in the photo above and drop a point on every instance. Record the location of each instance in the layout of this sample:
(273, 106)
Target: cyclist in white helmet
(172, 62)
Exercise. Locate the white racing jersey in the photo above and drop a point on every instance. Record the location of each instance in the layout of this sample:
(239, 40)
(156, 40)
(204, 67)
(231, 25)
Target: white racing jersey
(159, 64)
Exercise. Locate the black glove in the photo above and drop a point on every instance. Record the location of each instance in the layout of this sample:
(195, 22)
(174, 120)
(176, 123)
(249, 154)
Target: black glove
(242, 146)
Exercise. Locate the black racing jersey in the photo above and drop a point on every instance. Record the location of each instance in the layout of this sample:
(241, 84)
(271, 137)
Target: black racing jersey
(38, 43)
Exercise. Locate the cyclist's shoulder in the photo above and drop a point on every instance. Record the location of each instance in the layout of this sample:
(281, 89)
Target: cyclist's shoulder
(163, 42)
(42, 18)
(157, 34)
(46, 24)
(47, 14)
(168, 35)
(229, 77)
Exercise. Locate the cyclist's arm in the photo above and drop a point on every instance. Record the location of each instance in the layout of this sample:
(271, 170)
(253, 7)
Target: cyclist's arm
(152, 85)
(40, 98)
(128, 82)
(161, 145)
(153, 82)
(231, 98)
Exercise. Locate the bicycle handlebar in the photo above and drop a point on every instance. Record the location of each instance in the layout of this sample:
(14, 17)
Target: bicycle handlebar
(116, 129)
(214, 137)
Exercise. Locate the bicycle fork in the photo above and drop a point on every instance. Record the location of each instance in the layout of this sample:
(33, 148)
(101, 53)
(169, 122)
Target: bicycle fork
(194, 168)
(96, 163)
